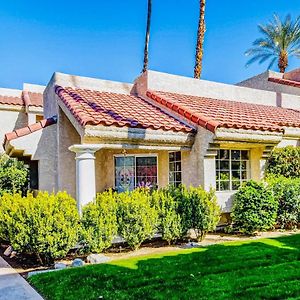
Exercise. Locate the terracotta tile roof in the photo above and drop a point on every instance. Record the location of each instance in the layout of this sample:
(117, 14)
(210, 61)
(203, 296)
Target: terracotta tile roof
(285, 81)
(29, 129)
(8, 100)
(26, 99)
(212, 113)
(95, 108)
(32, 99)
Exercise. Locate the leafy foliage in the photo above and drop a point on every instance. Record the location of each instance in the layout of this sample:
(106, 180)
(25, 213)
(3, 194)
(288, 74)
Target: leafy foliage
(13, 175)
(284, 161)
(254, 208)
(198, 210)
(99, 222)
(169, 219)
(280, 39)
(46, 225)
(287, 192)
(137, 218)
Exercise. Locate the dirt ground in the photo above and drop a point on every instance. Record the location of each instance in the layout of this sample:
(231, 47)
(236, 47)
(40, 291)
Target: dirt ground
(25, 264)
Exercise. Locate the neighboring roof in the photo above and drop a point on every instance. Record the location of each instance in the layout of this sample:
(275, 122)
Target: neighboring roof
(213, 113)
(284, 81)
(9, 100)
(32, 99)
(29, 129)
(91, 107)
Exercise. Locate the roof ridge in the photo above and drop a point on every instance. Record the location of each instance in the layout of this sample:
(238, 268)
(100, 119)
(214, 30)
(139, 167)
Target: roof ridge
(183, 110)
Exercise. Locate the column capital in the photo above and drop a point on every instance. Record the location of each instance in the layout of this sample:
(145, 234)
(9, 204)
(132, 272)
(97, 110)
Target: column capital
(84, 151)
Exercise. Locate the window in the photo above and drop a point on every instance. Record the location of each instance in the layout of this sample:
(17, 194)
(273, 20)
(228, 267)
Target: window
(175, 168)
(135, 171)
(38, 118)
(232, 168)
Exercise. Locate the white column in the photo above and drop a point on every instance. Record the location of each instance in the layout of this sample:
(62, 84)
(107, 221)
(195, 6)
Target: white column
(85, 174)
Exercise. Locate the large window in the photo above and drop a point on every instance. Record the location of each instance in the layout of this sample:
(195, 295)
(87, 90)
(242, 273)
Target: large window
(175, 168)
(232, 169)
(135, 171)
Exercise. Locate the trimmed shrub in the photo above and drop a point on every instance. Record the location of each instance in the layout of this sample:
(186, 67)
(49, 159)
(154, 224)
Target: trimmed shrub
(287, 192)
(169, 221)
(254, 208)
(99, 222)
(284, 161)
(137, 218)
(13, 175)
(46, 225)
(198, 209)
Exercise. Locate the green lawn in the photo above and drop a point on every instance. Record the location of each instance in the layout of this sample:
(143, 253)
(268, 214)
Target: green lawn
(259, 269)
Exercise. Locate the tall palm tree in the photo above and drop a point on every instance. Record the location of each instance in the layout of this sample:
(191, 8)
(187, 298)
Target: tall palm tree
(200, 40)
(280, 40)
(147, 38)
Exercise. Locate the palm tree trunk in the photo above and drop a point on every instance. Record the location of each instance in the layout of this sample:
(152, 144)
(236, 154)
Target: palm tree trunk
(283, 61)
(147, 38)
(200, 41)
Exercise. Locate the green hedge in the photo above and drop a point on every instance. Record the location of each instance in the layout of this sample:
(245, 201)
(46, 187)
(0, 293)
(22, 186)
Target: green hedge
(46, 225)
(254, 208)
(284, 162)
(287, 192)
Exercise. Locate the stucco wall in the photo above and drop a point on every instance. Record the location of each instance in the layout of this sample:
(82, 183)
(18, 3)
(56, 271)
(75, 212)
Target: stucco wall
(66, 164)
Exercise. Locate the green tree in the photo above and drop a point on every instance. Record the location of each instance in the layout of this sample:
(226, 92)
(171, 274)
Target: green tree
(13, 175)
(280, 40)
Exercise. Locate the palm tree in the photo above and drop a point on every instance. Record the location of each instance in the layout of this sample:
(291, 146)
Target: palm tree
(280, 40)
(200, 40)
(147, 38)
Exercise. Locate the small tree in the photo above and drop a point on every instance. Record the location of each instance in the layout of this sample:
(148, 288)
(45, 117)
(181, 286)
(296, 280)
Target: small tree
(169, 219)
(99, 222)
(137, 218)
(13, 175)
(254, 208)
(198, 209)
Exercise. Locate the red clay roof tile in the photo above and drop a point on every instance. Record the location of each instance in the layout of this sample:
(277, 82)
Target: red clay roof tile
(32, 99)
(213, 113)
(8, 100)
(111, 109)
(29, 129)
(285, 81)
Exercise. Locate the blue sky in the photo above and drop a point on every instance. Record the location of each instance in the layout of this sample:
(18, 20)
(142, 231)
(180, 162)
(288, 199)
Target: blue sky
(105, 38)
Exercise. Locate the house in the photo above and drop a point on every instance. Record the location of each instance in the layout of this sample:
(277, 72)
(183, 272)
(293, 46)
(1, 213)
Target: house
(162, 129)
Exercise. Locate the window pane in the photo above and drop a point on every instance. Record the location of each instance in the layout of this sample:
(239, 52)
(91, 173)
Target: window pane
(236, 175)
(178, 156)
(245, 154)
(235, 184)
(171, 156)
(172, 167)
(244, 165)
(235, 165)
(178, 176)
(178, 167)
(224, 165)
(224, 175)
(244, 175)
(124, 173)
(235, 154)
(224, 185)
(224, 154)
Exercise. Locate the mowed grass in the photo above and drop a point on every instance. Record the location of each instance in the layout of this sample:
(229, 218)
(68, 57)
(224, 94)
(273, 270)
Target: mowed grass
(256, 269)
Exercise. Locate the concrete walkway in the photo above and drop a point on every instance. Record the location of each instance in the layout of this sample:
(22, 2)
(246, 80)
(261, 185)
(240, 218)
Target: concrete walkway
(13, 286)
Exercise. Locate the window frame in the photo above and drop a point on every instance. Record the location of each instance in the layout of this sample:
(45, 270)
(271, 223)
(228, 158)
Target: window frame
(135, 156)
(230, 160)
(175, 161)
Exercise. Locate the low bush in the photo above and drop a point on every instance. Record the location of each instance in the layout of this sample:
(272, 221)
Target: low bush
(285, 162)
(13, 175)
(99, 222)
(254, 208)
(287, 192)
(137, 218)
(198, 209)
(46, 226)
(169, 221)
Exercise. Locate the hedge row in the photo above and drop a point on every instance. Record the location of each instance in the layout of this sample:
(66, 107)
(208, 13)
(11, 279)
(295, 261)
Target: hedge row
(49, 225)
(262, 206)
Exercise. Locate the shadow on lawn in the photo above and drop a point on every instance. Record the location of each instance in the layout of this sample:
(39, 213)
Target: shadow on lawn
(256, 269)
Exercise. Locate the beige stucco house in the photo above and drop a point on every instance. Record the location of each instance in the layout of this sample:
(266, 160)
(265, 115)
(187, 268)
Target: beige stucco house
(162, 129)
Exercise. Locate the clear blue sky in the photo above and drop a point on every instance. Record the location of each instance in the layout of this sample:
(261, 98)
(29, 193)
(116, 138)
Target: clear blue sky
(105, 38)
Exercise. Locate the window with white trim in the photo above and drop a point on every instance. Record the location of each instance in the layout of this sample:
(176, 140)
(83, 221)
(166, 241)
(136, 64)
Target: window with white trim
(135, 171)
(232, 169)
(175, 168)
